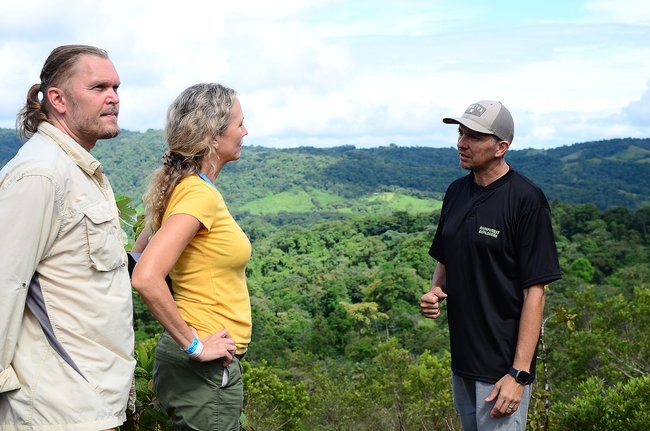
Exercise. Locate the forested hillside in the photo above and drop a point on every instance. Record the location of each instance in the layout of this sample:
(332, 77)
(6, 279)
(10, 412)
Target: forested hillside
(335, 181)
(9, 145)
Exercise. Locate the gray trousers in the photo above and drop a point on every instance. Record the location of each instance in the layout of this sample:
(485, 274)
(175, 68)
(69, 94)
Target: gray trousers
(469, 399)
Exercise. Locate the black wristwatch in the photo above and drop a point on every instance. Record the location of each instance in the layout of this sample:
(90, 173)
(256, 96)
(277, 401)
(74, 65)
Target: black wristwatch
(522, 377)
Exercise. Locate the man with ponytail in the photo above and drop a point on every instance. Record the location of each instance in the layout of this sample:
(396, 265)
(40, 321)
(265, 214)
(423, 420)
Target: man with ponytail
(66, 352)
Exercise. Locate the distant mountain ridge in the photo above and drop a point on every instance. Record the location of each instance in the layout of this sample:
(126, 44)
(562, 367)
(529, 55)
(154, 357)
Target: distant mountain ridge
(606, 173)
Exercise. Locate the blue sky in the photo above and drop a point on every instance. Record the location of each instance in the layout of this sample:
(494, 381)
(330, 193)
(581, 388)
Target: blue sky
(365, 73)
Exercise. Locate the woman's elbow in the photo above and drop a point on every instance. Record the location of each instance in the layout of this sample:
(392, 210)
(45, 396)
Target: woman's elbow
(141, 280)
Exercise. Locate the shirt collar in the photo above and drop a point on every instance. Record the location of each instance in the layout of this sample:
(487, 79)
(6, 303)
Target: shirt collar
(73, 149)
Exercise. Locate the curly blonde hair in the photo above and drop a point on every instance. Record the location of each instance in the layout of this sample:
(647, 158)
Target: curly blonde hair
(200, 114)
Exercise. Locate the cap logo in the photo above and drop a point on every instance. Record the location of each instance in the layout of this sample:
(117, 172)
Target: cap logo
(476, 110)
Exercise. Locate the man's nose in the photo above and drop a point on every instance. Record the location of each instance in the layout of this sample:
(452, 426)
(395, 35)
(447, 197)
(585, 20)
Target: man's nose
(113, 97)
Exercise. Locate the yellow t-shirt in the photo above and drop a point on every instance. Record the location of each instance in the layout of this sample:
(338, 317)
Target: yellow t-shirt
(209, 279)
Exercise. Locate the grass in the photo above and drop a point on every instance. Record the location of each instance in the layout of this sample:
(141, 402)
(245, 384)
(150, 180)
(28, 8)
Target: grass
(302, 200)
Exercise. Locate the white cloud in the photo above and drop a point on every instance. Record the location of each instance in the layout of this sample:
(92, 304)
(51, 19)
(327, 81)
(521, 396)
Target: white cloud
(626, 11)
(336, 72)
(638, 111)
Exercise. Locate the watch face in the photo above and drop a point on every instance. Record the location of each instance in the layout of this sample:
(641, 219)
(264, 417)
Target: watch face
(523, 377)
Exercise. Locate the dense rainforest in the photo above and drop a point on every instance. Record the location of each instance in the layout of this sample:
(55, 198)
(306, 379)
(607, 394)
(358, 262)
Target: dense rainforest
(339, 344)
(340, 239)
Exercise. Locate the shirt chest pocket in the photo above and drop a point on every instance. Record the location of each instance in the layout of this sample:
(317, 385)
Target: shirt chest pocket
(105, 247)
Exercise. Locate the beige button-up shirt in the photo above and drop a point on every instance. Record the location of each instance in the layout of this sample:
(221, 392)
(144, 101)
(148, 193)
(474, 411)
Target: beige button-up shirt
(66, 359)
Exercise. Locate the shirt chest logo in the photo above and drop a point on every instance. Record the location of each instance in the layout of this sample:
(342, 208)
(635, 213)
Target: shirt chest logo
(482, 230)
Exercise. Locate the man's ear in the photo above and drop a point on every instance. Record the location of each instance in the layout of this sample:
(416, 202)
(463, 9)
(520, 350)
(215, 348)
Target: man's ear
(57, 99)
(502, 147)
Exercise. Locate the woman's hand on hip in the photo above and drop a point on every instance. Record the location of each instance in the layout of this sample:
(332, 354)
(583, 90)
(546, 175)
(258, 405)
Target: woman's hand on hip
(218, 345)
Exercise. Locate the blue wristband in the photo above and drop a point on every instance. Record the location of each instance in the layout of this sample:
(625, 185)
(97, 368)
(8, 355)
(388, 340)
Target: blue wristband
(192, 347)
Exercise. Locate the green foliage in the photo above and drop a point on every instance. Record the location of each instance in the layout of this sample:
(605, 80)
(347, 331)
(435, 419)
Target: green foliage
(419, 399)
(582, 268)
(145, 324)
(394, 285)
(391, 390)
(129, 158)
(339, 400)
(597, 327)
(148, 414)
(272, 403)
(132, 222)
(365, 315)
(625, 406)
(336, 277)
(429, 401)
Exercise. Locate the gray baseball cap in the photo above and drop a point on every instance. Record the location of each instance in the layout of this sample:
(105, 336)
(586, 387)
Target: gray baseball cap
(487, 116)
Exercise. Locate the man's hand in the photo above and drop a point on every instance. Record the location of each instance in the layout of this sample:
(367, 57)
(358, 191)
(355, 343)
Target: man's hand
(430, 302)
(508, 395)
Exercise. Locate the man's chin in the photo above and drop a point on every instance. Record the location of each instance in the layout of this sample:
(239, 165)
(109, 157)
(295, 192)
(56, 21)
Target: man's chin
(110, 133)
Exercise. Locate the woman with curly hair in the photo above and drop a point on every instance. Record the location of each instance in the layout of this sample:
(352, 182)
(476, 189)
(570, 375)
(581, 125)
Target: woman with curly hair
(191, 236)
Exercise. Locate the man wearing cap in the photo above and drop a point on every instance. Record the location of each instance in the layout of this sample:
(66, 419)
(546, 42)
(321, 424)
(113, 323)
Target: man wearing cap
(495, 252)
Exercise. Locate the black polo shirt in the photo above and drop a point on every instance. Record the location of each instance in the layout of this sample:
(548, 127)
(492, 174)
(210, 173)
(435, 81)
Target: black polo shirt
(494, 241)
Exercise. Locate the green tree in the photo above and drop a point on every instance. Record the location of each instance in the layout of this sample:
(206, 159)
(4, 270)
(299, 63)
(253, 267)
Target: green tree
(427, 388)
(625, 406)
(582, 268)
(271, 403)
(393, 285)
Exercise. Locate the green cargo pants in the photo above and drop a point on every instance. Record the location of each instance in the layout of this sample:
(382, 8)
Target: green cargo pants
(197, 395)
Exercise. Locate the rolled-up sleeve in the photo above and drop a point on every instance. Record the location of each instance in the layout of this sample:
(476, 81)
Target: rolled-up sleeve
(29, 222)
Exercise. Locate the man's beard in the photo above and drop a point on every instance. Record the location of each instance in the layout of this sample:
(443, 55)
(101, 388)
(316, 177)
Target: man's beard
(94, 128)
